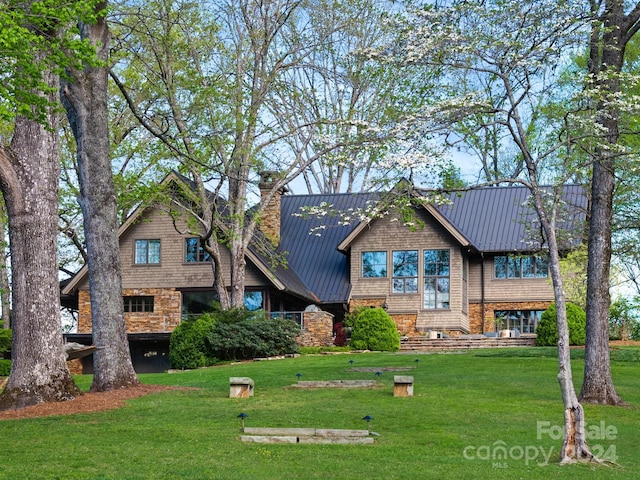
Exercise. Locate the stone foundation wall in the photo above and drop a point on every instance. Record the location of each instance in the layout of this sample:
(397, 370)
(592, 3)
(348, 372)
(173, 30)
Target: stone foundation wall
(406, 322)
(167, 304)
(475, 313)
(317, 330)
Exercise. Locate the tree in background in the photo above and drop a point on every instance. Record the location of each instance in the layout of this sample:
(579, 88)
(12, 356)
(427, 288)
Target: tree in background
(243, 87)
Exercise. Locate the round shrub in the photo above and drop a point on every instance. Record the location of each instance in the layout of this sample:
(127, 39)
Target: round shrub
(547, 331)
(187, 346)
(373, 329)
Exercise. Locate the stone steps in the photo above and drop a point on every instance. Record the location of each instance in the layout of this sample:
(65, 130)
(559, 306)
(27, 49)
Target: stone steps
(442, 344)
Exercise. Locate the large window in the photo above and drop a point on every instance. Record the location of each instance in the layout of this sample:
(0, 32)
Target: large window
(374, 264)
(138, 304)
(511, 266)
(526, 321)
(193, 251)
(147, 252)
(405, 271)
(197, 302)
(436, 279)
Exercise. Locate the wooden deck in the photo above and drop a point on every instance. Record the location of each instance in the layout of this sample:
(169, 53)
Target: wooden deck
(463, 343)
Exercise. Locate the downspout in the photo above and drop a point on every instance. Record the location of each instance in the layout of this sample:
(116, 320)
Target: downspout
(482, 305)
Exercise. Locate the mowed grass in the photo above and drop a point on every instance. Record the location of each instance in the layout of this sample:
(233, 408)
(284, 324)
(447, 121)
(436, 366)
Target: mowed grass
(479, 414)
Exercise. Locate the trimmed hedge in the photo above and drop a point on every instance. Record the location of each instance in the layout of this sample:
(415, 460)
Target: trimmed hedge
(373, 329)
(253, 338)
(5, 368)
(547, 331)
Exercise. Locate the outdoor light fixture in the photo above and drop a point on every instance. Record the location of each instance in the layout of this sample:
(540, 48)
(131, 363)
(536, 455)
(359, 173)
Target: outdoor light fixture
(242, 416)
(378, 373)
(298, 375)
(367, 418)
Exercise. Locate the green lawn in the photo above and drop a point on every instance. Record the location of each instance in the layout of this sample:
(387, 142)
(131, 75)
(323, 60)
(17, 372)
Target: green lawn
(467, 408)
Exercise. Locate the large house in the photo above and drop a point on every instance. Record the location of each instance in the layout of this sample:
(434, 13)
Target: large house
(454, 266)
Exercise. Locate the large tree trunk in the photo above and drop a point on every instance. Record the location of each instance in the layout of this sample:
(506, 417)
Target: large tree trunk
(85, 99)
(606, 61)
(29, 181)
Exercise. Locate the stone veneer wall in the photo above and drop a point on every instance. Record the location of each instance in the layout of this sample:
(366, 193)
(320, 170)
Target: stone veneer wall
(406, 322)
(317, 330)
(167, 304)
(475, 313)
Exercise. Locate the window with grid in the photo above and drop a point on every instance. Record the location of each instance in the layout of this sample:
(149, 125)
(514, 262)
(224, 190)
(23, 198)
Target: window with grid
(147, 252)
(405, 271)
(194, 252)
(436, 279)
(512, 266)
(138, 304)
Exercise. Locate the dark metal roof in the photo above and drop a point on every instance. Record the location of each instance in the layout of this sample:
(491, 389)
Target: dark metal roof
(497, 219)
(315, 258)
(502, 219)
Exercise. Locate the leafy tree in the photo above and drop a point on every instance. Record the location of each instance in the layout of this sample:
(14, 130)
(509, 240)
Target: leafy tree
(612, 29)
(623, 319)
(515, 47)
(35, 39)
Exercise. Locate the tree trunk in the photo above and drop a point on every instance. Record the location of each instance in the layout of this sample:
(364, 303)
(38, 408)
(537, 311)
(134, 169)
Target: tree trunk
(29, 181)
(85, 99)
(574, 445)
(606, 61)
(5, 286)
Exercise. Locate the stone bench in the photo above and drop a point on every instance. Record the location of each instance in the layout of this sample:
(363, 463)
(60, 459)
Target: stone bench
(402, 386)
(240, 387)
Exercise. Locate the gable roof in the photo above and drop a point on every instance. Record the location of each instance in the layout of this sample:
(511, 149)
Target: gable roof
(491, 220)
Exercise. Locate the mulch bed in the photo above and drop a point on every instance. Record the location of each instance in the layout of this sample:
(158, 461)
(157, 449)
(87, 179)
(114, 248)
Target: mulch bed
(86, 403)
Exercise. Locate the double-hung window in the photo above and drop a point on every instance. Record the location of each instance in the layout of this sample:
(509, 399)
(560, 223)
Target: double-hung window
(405, 271)
(436, 279)
(147, 252)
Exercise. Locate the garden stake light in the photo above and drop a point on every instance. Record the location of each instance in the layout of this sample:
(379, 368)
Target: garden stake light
(242, 416)
(368, 418)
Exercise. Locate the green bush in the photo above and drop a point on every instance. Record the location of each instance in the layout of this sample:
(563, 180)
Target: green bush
(5, 342)
(253, 336)
(547, 331)
(5, 368)
(187, 346)
(373, 329)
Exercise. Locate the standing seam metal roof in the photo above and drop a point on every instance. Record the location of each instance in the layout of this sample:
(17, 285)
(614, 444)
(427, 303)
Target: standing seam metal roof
(496, 219)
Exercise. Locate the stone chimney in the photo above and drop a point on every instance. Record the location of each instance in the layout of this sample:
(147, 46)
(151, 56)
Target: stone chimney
(270, 221)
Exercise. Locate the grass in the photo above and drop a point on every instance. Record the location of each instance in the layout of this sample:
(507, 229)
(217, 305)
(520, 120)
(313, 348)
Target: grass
(465, 407)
